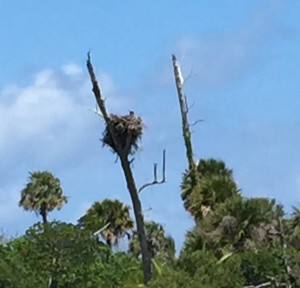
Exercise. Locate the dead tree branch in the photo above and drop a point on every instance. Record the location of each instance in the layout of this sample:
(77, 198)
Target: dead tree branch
(148, 209)
(123, 153)
(191, 74)
(100, 101)
(267, 284)
(272, 282)
(189, 107)
(196, 122)
(96, 89)
(179, 81)
(155, 181)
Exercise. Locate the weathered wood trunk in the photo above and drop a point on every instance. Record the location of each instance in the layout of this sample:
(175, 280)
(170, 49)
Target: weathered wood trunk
(139, 218)
(179, 81)
(123, 155)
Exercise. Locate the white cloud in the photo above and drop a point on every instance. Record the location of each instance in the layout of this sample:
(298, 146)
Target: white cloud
(49, 116)
(72, 70)
(41, 116)
(46, 124)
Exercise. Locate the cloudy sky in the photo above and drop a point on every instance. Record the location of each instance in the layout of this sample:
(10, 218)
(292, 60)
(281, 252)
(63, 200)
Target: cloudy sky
(243, 61)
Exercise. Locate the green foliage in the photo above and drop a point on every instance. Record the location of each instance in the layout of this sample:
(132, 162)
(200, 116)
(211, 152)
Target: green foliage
(258, 267)
(252, 210)
(172, 278)
(42, 194)
(215, 185)
(256, 221)
(58, 251)
(200, 269)
(121, 270)
(8, 278)
(67, 255)
(236, 241)
(111, 212)
(160, 245)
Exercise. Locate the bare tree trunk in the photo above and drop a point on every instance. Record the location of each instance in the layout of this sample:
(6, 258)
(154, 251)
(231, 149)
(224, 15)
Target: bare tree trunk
(123, 155)
(179, 81)
(139, 218)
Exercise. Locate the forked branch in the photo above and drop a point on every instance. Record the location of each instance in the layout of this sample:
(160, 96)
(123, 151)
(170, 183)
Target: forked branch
(155, 181)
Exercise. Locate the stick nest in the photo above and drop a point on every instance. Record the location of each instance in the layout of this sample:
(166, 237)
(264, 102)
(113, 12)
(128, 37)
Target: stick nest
(127, 129)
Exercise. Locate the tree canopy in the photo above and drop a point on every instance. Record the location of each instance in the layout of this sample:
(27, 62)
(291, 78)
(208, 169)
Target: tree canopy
(239, 242)
(42, 194)
(236, 241)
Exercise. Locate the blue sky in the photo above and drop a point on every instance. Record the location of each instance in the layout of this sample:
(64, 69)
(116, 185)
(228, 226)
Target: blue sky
(243, 61)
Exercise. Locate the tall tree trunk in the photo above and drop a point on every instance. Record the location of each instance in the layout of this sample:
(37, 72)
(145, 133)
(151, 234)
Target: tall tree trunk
(187, 136)
(139, 218)
(43, 212)
(123, 154)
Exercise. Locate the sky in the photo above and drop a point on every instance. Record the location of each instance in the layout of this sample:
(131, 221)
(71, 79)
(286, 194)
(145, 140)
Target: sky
(242, 67)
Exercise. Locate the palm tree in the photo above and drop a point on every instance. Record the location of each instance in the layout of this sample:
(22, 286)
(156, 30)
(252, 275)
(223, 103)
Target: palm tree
(112, 213)
(215, 185)
(42, 194)
(295, 217)
(160, 245)
(238, 224)
(292, 227)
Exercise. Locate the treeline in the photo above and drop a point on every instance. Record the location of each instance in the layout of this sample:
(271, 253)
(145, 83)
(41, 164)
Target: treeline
(235, 242)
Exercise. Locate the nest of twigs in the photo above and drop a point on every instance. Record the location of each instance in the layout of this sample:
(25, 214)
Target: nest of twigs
(127, 130)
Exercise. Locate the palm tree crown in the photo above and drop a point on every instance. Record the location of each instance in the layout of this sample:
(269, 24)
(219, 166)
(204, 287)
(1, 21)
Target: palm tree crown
(215, 185)
(112, 212)
(160, 244)
(42, 194)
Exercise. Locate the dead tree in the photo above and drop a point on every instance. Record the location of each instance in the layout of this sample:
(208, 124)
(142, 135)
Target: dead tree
(121, 135)
(187, 136)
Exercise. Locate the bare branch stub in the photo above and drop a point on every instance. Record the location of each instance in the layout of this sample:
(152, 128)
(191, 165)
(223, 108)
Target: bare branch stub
(191, 74)
(189, 107)
(164, 166)
(155, 181)
(196, 122)
(148, 209)
(155, 172)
